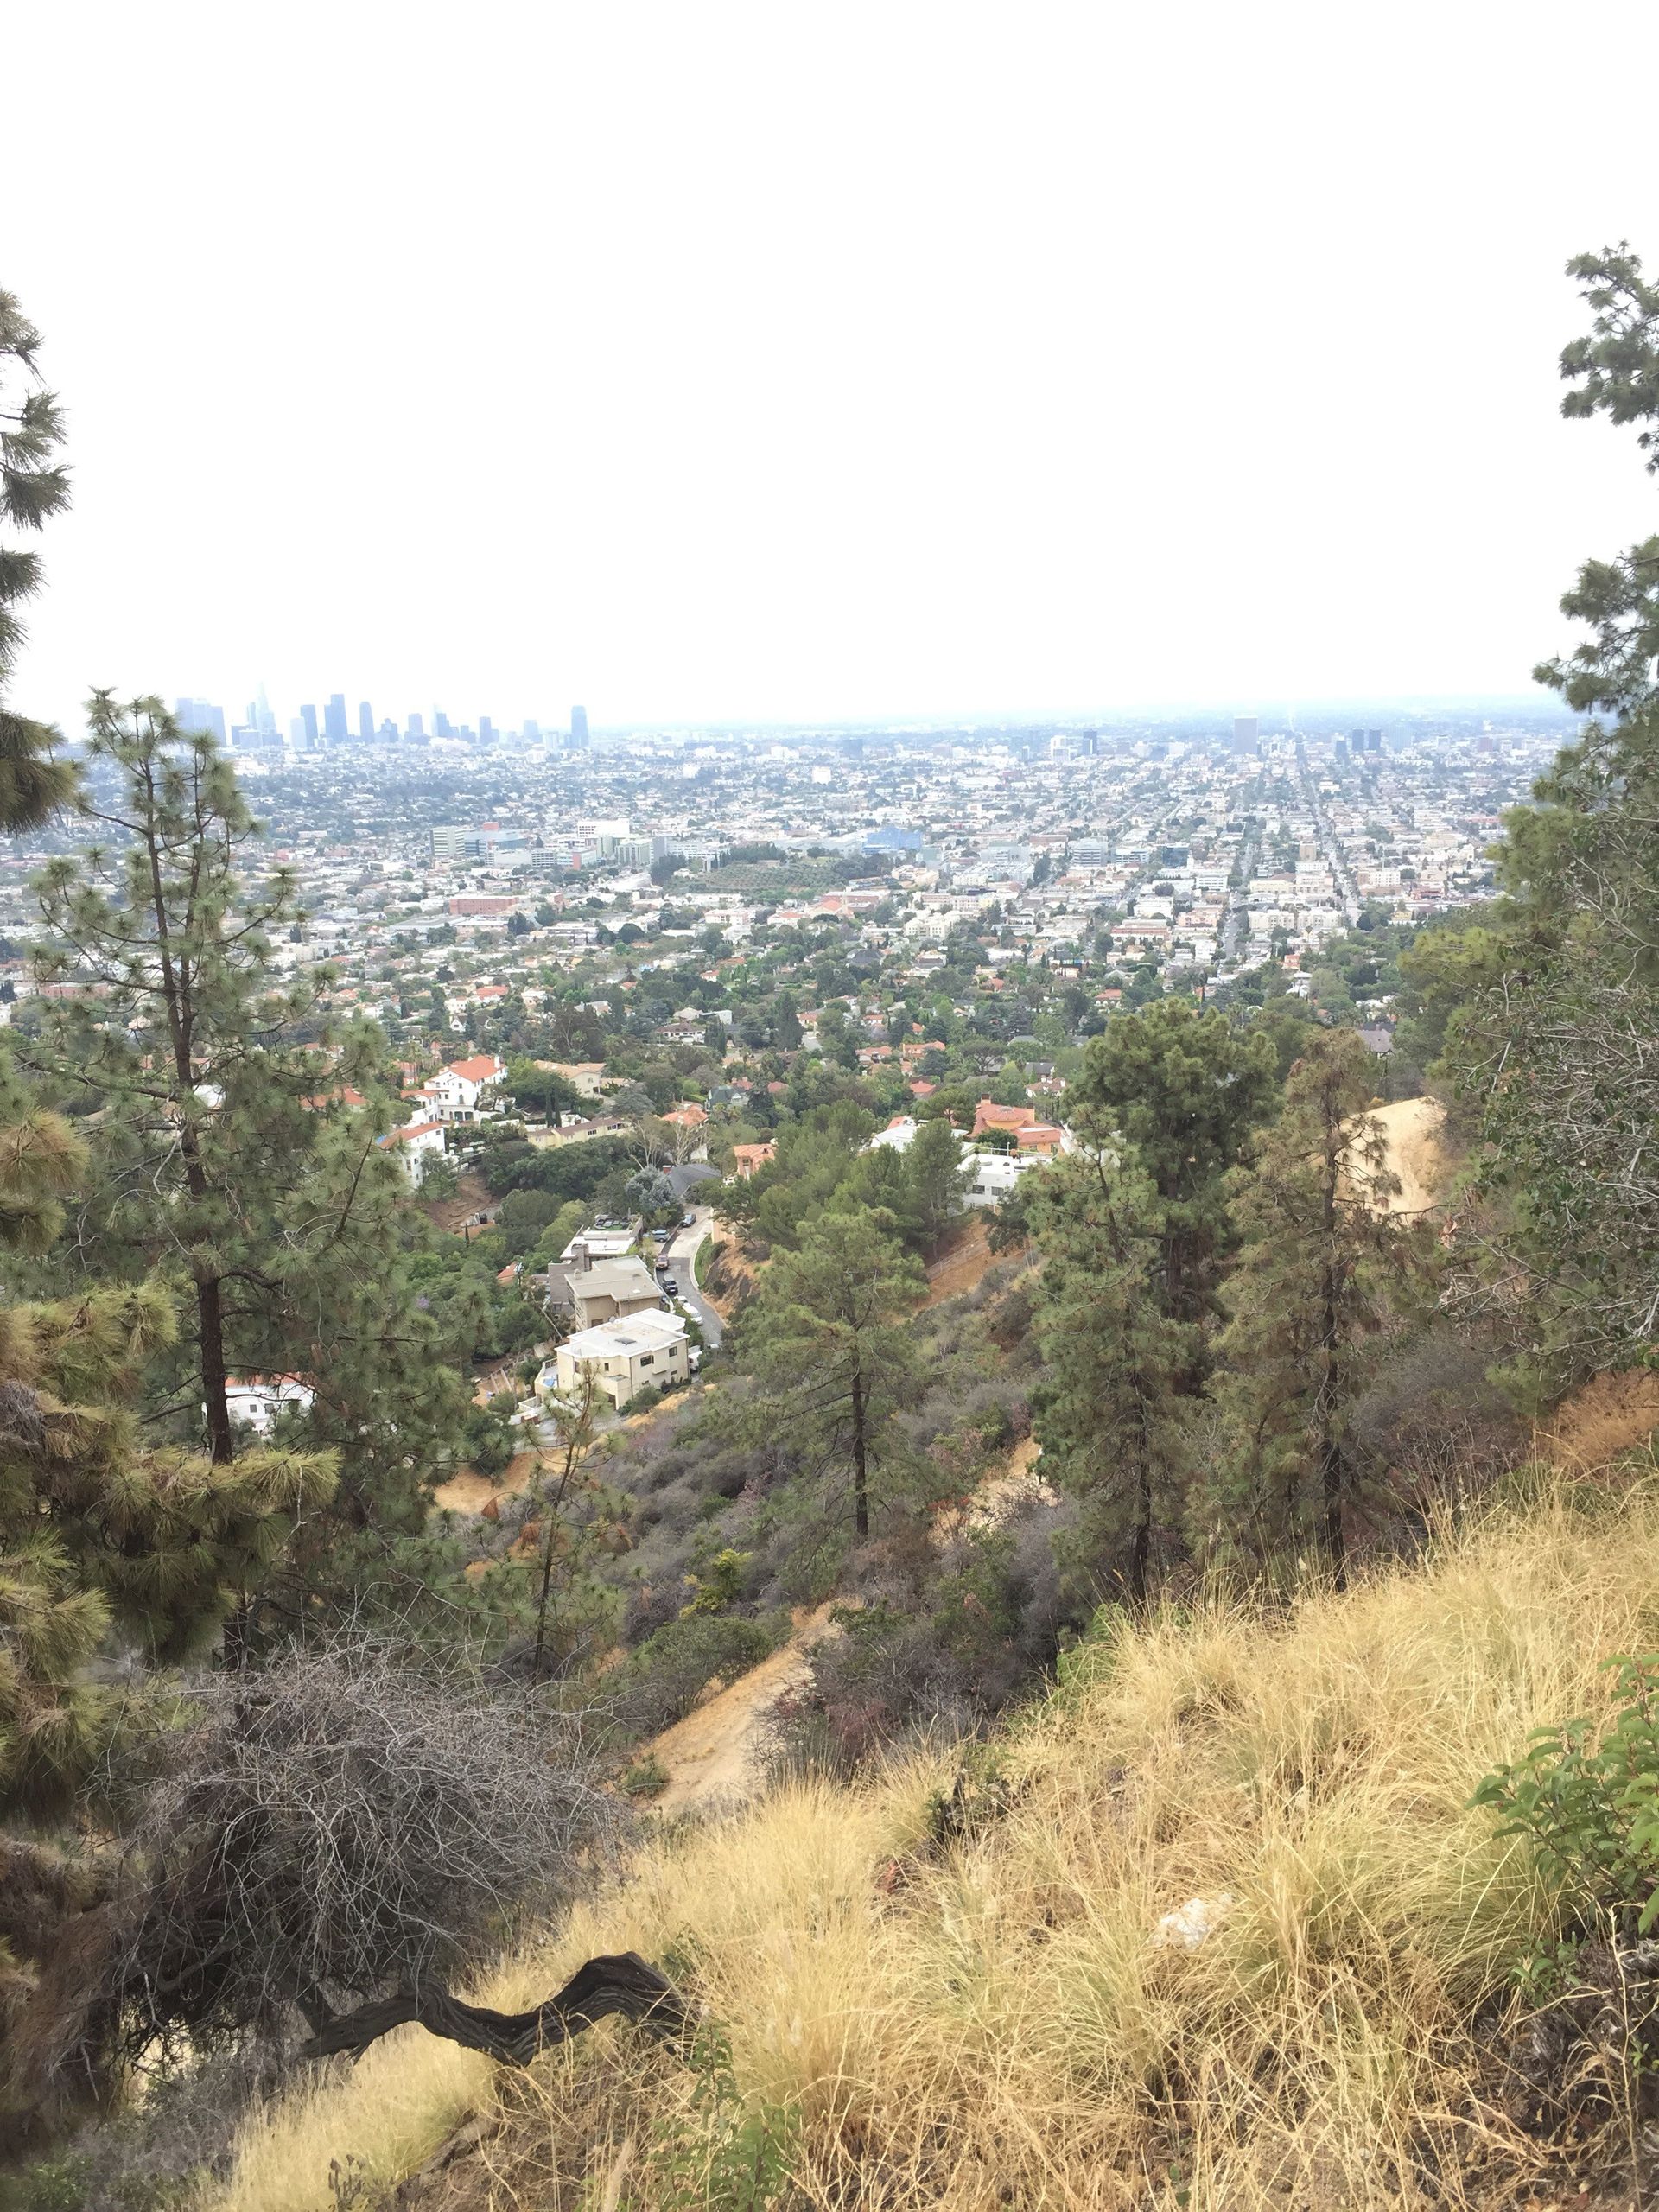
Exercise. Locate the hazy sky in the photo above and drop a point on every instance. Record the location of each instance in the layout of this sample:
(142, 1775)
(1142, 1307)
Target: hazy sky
(815, 361)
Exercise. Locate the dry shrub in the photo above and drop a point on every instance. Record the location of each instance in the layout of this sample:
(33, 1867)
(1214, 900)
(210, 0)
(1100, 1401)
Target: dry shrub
(989, 2021)
(341, 1824)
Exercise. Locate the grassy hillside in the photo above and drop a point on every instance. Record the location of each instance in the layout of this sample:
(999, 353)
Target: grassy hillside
(963, 2001)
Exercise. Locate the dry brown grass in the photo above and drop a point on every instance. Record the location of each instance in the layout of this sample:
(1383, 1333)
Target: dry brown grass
(990, 2023)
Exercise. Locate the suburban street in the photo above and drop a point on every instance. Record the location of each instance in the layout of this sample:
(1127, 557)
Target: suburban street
(682, 1251)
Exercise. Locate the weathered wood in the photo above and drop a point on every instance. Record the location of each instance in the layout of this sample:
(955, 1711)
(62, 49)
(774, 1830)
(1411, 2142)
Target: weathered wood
(622, 1984)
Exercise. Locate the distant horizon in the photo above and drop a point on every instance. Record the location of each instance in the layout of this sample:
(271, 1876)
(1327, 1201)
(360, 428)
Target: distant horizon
(1539, 705)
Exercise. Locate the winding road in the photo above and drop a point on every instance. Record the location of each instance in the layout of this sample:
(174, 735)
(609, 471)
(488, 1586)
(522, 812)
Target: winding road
(682, 1250)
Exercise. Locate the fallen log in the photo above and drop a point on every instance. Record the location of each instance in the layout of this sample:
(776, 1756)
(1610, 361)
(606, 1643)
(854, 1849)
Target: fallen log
(623, 1983)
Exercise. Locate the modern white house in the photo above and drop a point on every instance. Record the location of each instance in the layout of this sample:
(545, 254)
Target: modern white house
(255, 1401)
(643, 1351)
(589, 1245)
(996, 1173)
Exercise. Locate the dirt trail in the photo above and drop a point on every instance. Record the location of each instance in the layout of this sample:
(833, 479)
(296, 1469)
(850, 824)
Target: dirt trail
(711, 1755)
(1411, 1127)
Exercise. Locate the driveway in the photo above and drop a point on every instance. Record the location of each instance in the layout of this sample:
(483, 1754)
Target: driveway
(681, 1252)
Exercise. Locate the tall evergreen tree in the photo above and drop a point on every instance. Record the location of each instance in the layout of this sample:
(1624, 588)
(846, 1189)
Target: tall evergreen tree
(1323, 1267)
(1183, 1091)
(1555, 1036)
(34, 487)
(230, 1153)
(1108, 1415)
(825, 1341)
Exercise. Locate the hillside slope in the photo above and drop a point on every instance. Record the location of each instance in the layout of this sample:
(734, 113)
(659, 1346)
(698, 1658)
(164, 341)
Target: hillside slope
(967, 2000)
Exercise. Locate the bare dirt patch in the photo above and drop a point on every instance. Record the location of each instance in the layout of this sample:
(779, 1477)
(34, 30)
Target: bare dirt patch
(1414, 1129)
(467, 1493)
(471, 1196)
(1605, 1416)
(963, 1268)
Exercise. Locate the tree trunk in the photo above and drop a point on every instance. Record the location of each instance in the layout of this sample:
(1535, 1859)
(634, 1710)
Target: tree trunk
(215, 1380)
(861, 1461)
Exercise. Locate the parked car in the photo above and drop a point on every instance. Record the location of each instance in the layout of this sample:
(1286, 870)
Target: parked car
(688, 1221)
(671, 1287)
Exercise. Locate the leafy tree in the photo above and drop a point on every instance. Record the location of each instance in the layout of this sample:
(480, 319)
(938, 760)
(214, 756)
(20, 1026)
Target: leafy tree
(1323, 1267)
(543, 1090)
(823, 1339)
(652, 1191)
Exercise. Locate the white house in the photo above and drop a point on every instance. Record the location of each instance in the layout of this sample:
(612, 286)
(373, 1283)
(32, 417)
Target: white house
(996, 1173)
(589, 1245)
(418, 1144)
(641, 1352)
(463, 1091)
(256, 1402)
(899, 1136)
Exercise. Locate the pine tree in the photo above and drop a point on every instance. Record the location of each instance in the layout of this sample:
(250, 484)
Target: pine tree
(825, 1341)
(1554, 1038)
(1183, 1091)
(229, 1155)
(33, 488)
(1323, 1268)
(1108, 1415)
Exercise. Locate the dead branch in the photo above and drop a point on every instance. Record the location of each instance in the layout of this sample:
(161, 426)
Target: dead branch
(622, 1984)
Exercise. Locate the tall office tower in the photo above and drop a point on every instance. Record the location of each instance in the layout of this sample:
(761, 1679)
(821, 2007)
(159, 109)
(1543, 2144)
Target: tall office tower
(334, 718)
(1247, 733)
(530, 728)
(201, 718)
(416, 726)
(263, 717)
(441, 723)
(308, 718)
(486, 730)
(578, 725)
(365, 721)
(296, 734)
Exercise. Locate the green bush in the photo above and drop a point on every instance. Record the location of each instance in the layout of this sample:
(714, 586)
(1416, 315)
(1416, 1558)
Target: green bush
(665, 1676)
(1587, 1801)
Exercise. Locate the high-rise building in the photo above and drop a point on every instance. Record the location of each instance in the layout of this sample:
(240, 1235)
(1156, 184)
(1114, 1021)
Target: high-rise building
(199, 718)
(578, 725)
(260, 715)
(1247, 733)
(441, 726)
(308, 722)
(334, 718)
(416, 726)
(365, 721)
(530, 728)
(486, 730)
